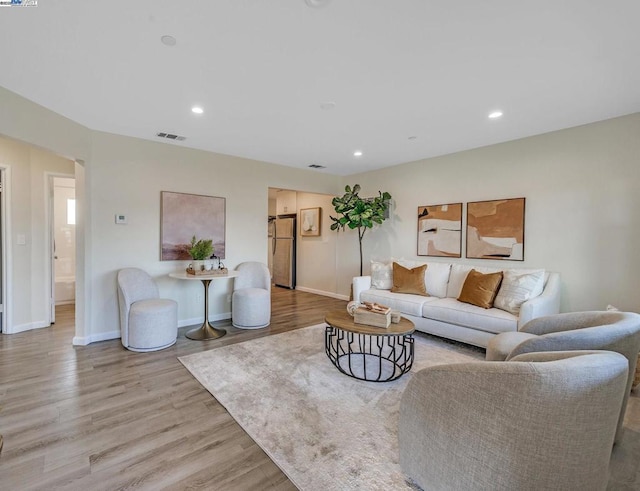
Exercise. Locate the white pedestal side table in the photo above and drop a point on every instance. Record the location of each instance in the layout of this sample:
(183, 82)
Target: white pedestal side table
(206, 330)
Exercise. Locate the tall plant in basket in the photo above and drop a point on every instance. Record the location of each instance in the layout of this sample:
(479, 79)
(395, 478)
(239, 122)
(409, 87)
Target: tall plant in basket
(359, 213)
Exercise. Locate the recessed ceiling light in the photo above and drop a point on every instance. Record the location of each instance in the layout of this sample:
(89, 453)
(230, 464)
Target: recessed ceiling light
(168, 40)
(357, 153)
(495, 115)
(317, 3)
(327, 106)
(197, 110)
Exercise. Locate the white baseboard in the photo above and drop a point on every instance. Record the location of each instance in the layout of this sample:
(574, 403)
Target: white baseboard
(27, 327)
(94, 338)
(106, 336)
(198, 320)
(320, 292)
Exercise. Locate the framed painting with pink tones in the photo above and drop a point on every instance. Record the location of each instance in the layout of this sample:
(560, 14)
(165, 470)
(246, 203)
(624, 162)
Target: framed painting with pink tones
(184, 215)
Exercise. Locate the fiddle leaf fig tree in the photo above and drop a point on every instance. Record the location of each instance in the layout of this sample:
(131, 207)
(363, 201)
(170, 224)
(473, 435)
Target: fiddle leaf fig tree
(359, 213)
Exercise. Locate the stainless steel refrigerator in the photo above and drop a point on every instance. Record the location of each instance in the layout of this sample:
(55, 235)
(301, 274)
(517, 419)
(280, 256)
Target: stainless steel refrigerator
(284, 251)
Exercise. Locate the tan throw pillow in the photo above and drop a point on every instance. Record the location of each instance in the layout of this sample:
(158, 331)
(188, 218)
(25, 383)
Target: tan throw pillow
(480, 289)
(409, 280)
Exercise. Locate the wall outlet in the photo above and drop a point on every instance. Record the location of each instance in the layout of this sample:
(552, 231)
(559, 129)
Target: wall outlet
(228, 298)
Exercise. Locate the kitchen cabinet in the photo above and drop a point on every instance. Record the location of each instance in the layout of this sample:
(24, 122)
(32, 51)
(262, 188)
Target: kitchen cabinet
(286, 202)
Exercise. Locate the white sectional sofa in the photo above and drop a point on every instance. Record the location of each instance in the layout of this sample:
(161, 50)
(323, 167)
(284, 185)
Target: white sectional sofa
(442, 314)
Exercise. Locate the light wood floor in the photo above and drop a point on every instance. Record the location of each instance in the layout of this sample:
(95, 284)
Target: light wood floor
(100, 417)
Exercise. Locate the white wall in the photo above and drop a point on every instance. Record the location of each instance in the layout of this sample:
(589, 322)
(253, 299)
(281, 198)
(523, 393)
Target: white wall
(317, 256)
(580, 185)
(127, 176)
(29, 122)
(582, 205)
(29, 266)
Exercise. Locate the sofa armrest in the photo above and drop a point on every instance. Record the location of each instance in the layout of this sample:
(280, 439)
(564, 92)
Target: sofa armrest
(360, 284)
(547, 303)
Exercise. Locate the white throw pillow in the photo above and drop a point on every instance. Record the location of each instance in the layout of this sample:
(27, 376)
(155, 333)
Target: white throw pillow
(436, 279)
(518, 287)
(381, 275)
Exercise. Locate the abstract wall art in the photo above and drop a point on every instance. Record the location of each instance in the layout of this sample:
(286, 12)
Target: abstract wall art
(440, 230)
(184, 215)
(310, 221)
(495, 229)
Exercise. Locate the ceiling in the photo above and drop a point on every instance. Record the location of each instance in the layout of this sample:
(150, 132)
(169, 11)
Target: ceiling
(299, 82)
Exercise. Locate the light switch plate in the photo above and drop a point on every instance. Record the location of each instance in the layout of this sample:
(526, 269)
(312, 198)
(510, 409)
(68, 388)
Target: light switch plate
(120, 219)
(21, 239)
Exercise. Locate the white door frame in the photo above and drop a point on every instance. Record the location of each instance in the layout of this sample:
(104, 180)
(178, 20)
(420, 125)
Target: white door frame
(50, 227)
(7, 274)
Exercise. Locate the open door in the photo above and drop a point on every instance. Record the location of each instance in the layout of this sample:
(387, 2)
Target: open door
(62, 246)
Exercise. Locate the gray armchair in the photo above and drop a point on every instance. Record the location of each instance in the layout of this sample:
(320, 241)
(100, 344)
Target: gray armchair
(598, 330)
(147, 322)
(251, 300)
(520, 425)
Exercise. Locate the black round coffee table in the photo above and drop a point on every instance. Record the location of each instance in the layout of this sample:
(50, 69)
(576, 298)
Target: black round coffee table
(374, 354)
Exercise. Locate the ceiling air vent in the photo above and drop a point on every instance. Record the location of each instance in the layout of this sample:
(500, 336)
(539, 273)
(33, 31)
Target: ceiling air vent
(171, 136)
(317, 166)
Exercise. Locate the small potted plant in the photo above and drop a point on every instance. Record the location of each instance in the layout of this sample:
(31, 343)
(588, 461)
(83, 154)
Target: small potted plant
(200, 251)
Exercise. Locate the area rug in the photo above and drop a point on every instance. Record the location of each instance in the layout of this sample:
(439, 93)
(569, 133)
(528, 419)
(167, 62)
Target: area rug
(325, 430)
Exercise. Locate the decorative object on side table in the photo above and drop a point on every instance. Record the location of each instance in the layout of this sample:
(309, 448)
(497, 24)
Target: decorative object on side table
(359, 213)
(200, 251)
(210, 272)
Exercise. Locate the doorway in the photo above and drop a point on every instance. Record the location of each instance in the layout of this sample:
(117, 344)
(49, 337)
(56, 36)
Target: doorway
(63, 242)
(316, 255)
(4, 250)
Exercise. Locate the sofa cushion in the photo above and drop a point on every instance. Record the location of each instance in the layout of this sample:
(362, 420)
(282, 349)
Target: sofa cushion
(436, 278)
(402, 302)
(480, 289)
(409, 280)
(467, 315)
(518, 287)
(381, 275)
